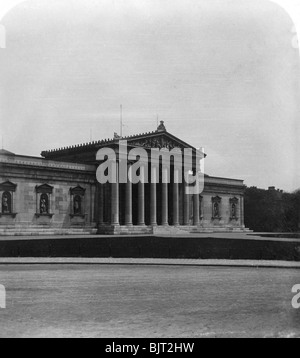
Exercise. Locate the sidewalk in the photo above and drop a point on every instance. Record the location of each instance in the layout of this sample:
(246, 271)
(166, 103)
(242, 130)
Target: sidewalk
(149, 261)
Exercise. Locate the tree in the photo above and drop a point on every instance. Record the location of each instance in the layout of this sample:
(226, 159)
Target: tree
(272, 210)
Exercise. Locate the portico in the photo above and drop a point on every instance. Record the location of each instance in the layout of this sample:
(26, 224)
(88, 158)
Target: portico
(162, 200)
(147, 204)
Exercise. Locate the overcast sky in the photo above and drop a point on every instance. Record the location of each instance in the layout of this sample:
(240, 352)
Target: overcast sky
(222, 74)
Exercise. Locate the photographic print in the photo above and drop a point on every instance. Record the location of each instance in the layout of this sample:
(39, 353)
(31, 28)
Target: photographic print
(149, 171)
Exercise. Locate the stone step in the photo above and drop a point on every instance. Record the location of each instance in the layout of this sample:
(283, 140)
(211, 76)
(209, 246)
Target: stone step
(49, 231)
(125, 230)
(168, 230)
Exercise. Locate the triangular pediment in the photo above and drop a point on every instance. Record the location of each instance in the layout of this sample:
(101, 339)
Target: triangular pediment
(86, 152)
(8, 186)
(6, 153)
(216, 199)
(158, 140)
(234, 200)
(78, 190)
(44, 189)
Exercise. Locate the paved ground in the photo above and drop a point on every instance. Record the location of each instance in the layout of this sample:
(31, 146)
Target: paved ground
(148, 301)
(148, 261)
(220, 235)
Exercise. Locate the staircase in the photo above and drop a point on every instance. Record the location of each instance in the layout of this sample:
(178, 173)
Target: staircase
(169, 230)
(125, 230)
(38, 230)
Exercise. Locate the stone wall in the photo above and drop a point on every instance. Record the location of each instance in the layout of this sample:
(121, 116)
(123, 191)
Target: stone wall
(28, 174)
(226, 190)
(25, 204)
(28, 177)
(225, 219)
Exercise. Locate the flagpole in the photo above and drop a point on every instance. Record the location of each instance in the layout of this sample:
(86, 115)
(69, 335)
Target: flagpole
(121, 121)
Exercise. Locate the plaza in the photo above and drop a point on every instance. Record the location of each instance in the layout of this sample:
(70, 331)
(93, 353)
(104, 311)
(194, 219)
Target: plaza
(67, 300)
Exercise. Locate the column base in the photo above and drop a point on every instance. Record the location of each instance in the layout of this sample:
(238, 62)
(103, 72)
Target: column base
(125, 230)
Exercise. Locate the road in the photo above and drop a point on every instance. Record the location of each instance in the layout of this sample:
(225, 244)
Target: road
(148, 301)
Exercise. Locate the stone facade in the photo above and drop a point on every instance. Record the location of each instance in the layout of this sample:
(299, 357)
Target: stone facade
(59, 194)
(35, 177)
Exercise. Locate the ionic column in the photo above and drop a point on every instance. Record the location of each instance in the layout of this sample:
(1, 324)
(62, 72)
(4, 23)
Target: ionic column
(196, 218)
(128, 199)
(186, 203)
(242, 211)
(115, 198)
(196, 210)
(153, 199)
(164, 211)
(100, 204)
(141, 197)
(176, 198)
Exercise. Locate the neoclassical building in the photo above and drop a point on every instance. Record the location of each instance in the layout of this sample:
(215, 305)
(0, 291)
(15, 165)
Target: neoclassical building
(58, 193)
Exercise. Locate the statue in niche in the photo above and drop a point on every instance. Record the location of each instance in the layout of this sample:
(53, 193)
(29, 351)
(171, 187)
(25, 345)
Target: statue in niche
(77, 205)
(216, 210)
(6, 203)
(44, 204)
(233, 210)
